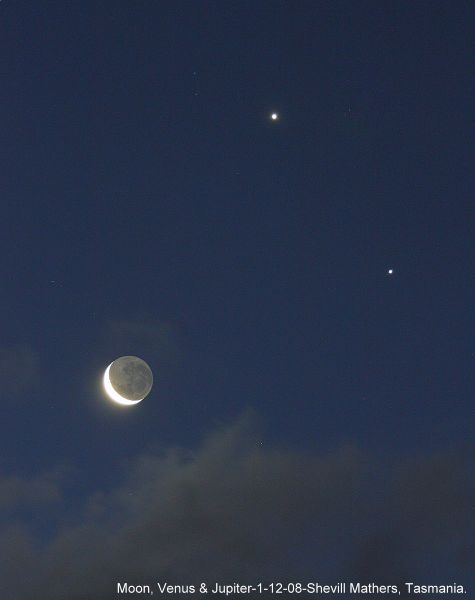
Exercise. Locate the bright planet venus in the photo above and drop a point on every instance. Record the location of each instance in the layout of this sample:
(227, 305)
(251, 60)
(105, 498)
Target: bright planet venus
(128, 380)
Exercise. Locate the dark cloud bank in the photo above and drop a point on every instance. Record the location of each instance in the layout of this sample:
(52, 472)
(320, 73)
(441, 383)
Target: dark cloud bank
(238, 511)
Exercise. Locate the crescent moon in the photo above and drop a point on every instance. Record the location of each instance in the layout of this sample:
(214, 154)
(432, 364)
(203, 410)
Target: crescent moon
(113, 395)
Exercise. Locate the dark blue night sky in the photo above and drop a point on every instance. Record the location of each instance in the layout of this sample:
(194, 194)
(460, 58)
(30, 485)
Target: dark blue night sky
(150, 206)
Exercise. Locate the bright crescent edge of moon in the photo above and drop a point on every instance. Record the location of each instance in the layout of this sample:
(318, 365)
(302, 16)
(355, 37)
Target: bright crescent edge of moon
(115, 395)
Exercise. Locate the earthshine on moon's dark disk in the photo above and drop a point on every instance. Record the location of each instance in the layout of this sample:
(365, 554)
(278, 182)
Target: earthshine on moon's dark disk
(128, 380)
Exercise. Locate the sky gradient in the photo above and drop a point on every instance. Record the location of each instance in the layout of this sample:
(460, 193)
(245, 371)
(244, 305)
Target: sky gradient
(151, 207)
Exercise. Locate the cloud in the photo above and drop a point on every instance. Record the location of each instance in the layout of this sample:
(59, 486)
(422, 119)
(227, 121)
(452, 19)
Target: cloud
(233, 510)
(17, 493)
(145, 336)
(19, 367)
